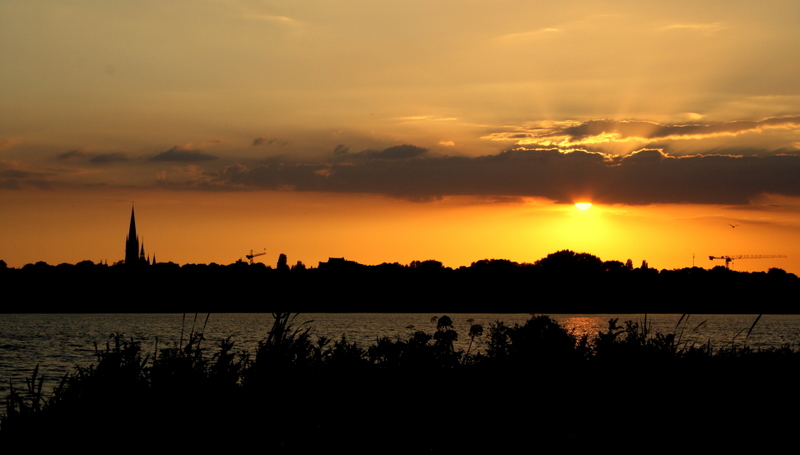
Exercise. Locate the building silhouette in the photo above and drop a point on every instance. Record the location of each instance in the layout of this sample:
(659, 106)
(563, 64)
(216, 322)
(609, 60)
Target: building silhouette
(134, 253)
(338, 264)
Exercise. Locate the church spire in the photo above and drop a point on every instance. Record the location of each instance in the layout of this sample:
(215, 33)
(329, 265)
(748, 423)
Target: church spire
(132, 230)
(132, 242)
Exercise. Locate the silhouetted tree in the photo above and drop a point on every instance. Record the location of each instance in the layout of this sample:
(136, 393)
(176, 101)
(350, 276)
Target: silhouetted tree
(774, 272)
(494, 265)
(282, 265)
(567, 261)
(614, 266)
(430, 264)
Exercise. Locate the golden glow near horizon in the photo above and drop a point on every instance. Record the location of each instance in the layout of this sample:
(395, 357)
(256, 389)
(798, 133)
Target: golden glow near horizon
(202, 228)
(400, 132)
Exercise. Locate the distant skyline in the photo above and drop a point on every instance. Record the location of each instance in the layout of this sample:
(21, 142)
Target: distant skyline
(439, 129)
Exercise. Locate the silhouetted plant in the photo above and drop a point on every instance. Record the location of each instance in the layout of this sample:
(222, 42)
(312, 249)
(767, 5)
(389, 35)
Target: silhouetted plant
(498, 345)
(22, 404)
(185, 366)
(542, 339)
(345, 355)
(117, 382)
(386, 353)
(539, 340)
(180, 366)
(183, 380)
(680, 328)
(475, 330)
(635, 342)
(120, 369)
(227, 366)
(444, 339)
(418, 351)
(287, 350)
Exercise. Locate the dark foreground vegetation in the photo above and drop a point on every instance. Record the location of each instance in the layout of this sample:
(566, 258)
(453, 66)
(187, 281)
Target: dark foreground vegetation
(562, 282)
(531, 388)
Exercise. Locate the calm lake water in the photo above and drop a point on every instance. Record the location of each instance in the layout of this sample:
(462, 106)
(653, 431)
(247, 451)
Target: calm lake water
(59, 342)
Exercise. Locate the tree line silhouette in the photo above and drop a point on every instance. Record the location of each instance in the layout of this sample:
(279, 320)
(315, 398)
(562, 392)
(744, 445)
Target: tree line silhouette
(561, 282)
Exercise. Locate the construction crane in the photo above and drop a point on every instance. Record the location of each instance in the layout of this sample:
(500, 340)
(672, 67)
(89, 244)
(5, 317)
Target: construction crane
(252, 255)
(729, 259)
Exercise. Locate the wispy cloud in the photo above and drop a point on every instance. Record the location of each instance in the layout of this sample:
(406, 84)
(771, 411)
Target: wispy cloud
(420, 118)
(256, 12)
(709, 27)
(610, 131)
(12, 176)
(530, 34)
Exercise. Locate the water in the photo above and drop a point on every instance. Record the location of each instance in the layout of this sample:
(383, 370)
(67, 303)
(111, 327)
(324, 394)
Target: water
(59, 342)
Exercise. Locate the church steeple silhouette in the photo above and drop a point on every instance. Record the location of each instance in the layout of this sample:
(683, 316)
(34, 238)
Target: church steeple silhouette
(133, 254)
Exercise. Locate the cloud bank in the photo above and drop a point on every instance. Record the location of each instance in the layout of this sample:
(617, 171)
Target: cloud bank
(558, 161)
(643, 177)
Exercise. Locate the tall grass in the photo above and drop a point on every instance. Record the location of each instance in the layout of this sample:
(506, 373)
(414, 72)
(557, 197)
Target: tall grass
(184, 382)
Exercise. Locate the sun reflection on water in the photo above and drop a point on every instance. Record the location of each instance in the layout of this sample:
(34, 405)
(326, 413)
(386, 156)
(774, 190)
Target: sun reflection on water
(584, 325)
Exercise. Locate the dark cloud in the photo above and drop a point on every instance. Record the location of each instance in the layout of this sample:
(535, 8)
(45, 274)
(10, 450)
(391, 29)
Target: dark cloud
(97, 158)
(18, 174)
(263, 140)
(501, 200)
(72, 155)
(14, 178)
(109, 158)
(643, 177)
(397, 152)
(176, 154)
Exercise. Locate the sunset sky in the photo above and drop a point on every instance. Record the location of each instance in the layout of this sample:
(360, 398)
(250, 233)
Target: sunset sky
(454, 130)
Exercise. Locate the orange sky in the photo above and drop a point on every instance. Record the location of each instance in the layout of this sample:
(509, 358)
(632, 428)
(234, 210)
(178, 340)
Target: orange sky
(448, 130)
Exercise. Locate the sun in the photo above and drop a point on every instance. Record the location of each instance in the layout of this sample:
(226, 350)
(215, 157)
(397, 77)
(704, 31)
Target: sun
(583, 205)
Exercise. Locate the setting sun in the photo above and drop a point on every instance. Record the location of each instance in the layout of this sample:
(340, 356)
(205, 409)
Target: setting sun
(583, 205)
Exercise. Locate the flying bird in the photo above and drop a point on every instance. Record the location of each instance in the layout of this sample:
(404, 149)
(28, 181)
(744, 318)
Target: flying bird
(732, 225)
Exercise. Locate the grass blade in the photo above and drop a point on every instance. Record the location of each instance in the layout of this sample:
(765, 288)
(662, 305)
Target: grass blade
(751, 328)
